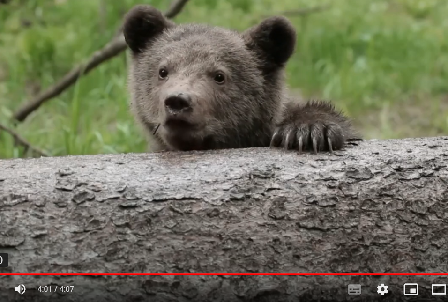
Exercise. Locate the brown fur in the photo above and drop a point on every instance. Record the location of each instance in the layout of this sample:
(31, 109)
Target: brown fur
(179, 98)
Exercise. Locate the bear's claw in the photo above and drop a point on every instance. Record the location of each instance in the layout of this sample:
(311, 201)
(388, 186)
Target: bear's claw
(317, 137)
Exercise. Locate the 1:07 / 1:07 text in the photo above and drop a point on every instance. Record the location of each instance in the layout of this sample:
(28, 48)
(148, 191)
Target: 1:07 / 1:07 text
(55, 288)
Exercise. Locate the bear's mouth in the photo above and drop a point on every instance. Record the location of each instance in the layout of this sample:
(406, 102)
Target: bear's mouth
(184, 135)
(176, 123)
(181, 125)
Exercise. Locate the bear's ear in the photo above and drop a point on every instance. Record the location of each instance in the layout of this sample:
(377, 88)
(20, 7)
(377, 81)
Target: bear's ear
(143, 23)
(274, 39)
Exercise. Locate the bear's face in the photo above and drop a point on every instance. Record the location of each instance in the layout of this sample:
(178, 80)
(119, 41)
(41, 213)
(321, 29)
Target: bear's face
(201, 87)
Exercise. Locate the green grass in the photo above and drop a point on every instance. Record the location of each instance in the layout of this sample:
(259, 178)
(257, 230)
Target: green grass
(384, 62)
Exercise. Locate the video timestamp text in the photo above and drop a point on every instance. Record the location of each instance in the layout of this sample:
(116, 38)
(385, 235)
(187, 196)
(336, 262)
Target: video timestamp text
(56, 288)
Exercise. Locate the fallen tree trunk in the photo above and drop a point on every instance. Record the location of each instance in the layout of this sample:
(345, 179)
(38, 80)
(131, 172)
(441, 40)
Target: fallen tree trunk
(379, 207)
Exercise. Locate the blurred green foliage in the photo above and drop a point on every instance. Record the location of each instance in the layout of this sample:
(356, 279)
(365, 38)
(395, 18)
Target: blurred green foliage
(384, 62)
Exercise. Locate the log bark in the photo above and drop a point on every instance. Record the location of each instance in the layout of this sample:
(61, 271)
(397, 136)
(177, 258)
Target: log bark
(375, 207)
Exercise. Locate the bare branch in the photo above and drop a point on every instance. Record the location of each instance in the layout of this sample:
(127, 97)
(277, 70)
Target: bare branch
(112, 49)
(175, 8)
(21, 141)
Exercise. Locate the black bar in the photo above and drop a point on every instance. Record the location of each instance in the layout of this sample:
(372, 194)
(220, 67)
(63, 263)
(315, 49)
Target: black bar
(3, 259)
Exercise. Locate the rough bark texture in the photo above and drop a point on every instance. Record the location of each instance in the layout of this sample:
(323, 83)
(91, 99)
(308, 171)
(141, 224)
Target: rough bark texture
(378, 207)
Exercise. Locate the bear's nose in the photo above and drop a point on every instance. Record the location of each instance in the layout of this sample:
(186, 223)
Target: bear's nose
(178, 102)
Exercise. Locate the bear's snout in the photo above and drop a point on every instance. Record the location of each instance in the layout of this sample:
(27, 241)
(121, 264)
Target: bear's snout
(178, 103)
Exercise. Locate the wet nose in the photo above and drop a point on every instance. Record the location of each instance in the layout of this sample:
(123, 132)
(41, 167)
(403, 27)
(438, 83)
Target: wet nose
(178, 102)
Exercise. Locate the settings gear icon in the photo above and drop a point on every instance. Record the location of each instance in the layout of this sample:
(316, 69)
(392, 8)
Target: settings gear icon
(382, 289)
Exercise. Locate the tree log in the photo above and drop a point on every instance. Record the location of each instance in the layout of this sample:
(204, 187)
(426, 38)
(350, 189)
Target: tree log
(375, 207)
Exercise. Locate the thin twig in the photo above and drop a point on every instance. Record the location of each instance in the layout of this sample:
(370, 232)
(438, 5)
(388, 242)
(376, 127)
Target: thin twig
(21, 141)
(303, 11)
(112, 49)
(175, 8)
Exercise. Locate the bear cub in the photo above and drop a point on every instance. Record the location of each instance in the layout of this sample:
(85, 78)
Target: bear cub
(198, 87)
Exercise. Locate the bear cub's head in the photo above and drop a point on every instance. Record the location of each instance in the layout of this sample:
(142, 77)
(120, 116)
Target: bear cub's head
(197, 87)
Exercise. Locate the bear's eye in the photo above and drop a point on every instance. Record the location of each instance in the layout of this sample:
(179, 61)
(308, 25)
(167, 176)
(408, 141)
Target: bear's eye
(219, 78)
(163, 73)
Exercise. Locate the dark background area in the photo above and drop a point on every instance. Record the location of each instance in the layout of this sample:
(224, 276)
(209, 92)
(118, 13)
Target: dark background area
(219, 288)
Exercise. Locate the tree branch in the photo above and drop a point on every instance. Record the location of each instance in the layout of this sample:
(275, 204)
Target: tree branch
(175, 8)
(21, 141)
(376, 207)
(112, 49)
